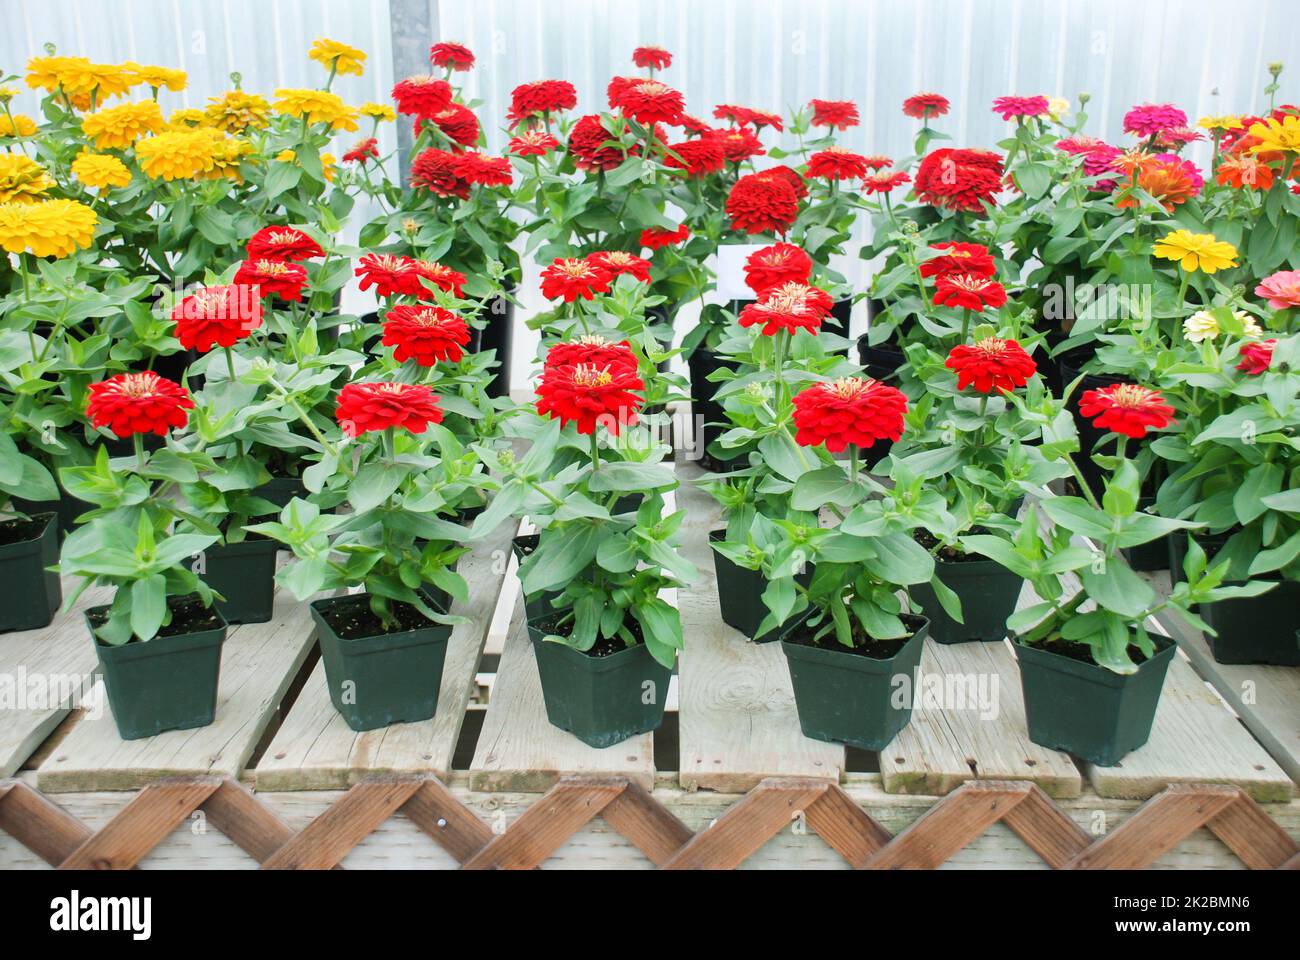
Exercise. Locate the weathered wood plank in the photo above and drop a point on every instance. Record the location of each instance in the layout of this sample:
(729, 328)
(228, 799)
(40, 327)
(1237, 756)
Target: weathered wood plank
(518, 749)
(1194, 740)
(258, 662)
(58, 658)
(963, 740)
(1264, 697)
(736, 715)
(316, 750)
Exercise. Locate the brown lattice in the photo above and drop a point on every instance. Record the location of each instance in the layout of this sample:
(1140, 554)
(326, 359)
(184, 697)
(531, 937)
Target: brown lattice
(948, 826)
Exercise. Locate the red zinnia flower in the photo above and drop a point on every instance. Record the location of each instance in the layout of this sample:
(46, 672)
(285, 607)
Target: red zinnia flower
(283, 243)
(435, 171)
(968, 291)
(592, 351)
(848, 411)
(572, 278)
(791, 306)
(587, 395)
(481, 169)
(273, 277)
(390, 276)
(649, 101)
(654, 237)
(367, 149)
(746, 115)
(442, 277)
(652, 58)
(693, 125)
(884, 181)
(422, 96)
(425, 334)
(616, 262)
(991, 364)
(697, 157)
(762, 204)
(959, 179)
(775, 265)
(1126, 408)
(837, 163)
(451, 56)
(131, 403)
(972, 258)
(878, 161)
(532, 143)
(217, 316)
(792, 177)
(1256, 357)
(922, 106)
(541, 97)
(738, 143)
(373, 407)
(1009, 107)
(840, 114)
(457, 123)
(585, 144)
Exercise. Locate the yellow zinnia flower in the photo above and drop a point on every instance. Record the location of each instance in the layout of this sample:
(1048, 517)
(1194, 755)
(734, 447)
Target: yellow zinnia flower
(1277, 135)
(7, 93)
(1057, 107)
(1225, 122)
(17, 125)
(186, 119)
(348, 121)
(50, 228)
(157, 77)
(338, 57)
(236, 111)
(1196, 251)
(318, 106)
(100, 171)
(89, 84)
(227, 154)
(118, 127)
(379, 111)
(177, 154)
(45, 73)
(22, 179)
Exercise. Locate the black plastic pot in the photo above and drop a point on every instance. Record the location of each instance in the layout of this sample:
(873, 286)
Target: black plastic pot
(988, 593)
(30, 594)
(1089, 435)
(538, 604)
(1148, 556)
(1087, 710)
(1263, 629)
(243, 573)
(600, 700)
(499, 335)
(67, 508)
(740, 594)
(882, 361)
(709, 416)
(844, 697)
(167, 683)
(380, 680)
(280, 490)
(838, 322)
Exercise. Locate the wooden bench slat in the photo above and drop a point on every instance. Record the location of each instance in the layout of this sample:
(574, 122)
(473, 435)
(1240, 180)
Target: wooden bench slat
(316, 750)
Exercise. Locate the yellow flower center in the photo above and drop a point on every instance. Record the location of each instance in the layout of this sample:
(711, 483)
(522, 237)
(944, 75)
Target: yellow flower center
(585, 375)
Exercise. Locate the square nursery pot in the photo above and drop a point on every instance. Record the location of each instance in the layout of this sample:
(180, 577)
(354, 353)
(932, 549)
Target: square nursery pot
(600, 700)
(844, 697)
(167, 683)
(740, 594)
(536, 604)
(1150, 556)
(243, 573)
(29, 594)
(988, 593)
(67, 507)
(1263, 629)
(379, 680)
(1087, 710)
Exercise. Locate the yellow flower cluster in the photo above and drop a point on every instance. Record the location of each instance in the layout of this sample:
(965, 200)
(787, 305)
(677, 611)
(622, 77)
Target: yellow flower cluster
(186, 120)
(227, 154)
(1277, 135)
(118, 127)
(338, 57)
(382, 112)
(16, 125)
(22, 179)
(236, 111)
(49, 228)
(100, 171)
(1226, 122)
(157, 77)
(318, 106)
(177, 154)
(84, 83)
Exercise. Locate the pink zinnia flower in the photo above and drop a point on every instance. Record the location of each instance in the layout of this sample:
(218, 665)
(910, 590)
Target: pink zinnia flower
(1150, 119)
(1282, 289)
(1011, 107)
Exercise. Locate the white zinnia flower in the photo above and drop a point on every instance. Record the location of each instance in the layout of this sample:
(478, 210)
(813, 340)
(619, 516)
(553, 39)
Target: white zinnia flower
(1200, 326)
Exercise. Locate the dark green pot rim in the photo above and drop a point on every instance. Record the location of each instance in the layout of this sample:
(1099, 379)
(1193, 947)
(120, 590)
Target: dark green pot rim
(855, 662)
(360, 646)
(157, 646)
(1094, 672)
(32, 545)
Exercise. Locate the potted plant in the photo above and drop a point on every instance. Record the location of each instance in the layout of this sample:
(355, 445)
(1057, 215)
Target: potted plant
(604, 635)
(159, 640)
(856, 643)
(383, 647)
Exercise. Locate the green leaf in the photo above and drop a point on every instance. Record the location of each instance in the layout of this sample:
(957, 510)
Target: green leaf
(148, 605)
(1118, 588)
(374, 483)
(900, 560)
